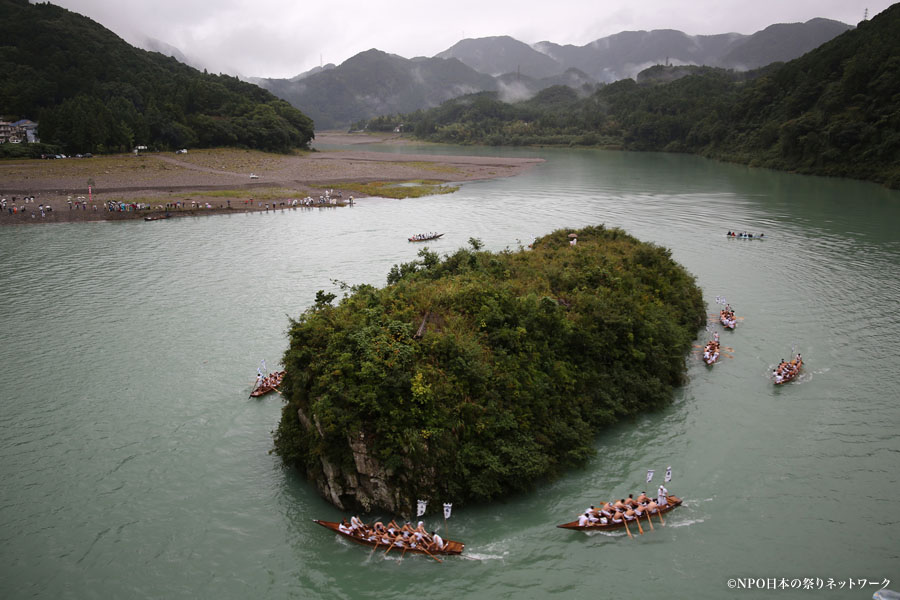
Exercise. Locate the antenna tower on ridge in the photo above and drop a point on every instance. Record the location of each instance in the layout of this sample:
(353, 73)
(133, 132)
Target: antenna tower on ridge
(866, 15)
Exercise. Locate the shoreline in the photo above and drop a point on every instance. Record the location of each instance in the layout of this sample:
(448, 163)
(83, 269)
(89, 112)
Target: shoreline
(218, 181)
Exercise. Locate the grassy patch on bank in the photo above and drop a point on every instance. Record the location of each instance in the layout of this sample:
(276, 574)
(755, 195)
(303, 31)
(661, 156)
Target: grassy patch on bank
(256, 193)
(386, 189)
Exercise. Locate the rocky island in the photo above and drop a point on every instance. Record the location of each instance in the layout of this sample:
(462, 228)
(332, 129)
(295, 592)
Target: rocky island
(474, 375)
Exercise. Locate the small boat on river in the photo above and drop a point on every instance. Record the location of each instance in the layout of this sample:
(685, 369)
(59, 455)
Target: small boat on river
(451, 547)
(268, 384)
(671, 503)
(727, 318)
(711, 352)
(423, 237)
(788, 371)
(734, 235)
(156, 217)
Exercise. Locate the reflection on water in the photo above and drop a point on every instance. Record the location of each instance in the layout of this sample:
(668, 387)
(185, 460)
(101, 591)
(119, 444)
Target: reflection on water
(134, 465)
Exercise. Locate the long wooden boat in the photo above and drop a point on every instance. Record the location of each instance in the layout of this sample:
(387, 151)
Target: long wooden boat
(265, 389)
(791, 375)
(726, 322)
(425, 239)
(451, 547)
(157, 217)
(671, 503)
(712, 347)
(758, 236)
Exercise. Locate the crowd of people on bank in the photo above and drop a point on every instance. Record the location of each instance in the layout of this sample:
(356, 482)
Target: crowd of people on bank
(407, 536)
(626, 509)
(13, 207)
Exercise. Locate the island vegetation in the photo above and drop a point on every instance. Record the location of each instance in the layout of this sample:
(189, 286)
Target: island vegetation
(90, 91)
(834, 111)
(474, 375)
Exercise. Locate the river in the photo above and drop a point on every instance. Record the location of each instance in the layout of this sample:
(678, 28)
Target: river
(134, 466)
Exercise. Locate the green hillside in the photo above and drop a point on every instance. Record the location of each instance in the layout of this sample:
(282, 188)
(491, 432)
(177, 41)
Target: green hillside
(90, 91)
(834, 111)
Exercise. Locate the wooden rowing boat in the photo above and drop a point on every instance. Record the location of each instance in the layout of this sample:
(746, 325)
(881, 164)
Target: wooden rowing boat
(791, 375)
(265, 389)
(451, 547)
(671, 503)
(712, 347)
(726, 322)
(425, 239)
(156, 217)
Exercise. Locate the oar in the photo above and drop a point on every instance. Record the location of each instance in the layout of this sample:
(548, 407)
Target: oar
(659, 514)
(405, 548)
(649, 521)
(390, 547)
(641, 529)
(430, 554)
(626, 527)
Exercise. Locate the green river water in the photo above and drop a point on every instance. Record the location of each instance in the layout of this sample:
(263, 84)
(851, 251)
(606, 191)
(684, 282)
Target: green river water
(134, 466)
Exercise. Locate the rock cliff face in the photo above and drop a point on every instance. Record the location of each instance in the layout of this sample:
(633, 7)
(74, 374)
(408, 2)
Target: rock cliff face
(366, 488)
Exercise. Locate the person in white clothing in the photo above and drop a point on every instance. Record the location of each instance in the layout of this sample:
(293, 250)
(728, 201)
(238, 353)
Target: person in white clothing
(436, 541)
(662, 496)
(584, 519)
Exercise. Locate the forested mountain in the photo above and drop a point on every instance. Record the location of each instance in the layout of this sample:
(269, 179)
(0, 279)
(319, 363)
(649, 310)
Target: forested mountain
(503, 54)
(625, 54)
(834, 111)
(91, 91)
(780, 43)
(375, 82)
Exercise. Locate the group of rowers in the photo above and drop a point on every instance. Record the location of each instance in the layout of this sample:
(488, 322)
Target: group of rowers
(270, 381)
(406, 537)
(423, 236)
(727, 317)
(744, 234)
(711, 351)
(785, 371)
(626, 509)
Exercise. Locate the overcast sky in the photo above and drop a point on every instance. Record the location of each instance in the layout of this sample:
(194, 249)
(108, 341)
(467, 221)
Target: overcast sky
(282, 38)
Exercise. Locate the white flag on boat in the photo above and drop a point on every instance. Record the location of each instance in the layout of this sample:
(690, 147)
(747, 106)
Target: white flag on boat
(649, 475)
(421, 509)
(668, 474)
(447, 507)
(263, 365)
(258, 372)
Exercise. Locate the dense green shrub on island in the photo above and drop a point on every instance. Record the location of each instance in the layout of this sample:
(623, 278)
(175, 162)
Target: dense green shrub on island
(525, 355)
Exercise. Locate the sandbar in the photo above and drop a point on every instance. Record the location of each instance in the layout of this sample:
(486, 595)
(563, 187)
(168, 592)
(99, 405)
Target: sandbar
(217, 181)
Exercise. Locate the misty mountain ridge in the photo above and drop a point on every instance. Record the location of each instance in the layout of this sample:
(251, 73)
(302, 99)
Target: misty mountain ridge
(375, 83)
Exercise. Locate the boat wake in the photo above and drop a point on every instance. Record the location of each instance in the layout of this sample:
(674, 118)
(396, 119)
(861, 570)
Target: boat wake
(481, 556)
(685, 523)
